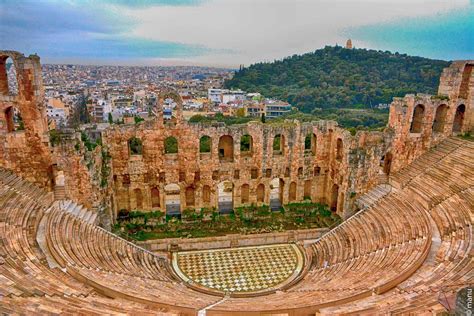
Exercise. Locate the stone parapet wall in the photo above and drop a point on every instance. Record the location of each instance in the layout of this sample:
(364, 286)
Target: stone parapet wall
(233, 240)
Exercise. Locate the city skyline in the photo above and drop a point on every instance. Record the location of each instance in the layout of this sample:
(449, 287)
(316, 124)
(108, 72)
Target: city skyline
(229, 32)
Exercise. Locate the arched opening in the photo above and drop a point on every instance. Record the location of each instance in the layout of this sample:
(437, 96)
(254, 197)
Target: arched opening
(9, 78)
(190, 200)
(171, 145)
(226, 148)
(246, 144)
(417, 120)
(317, 171)
(310, 143)
(254, 173)
(387, 163)
(138, 198)
(261, 193)
(307, 190)
(459, 118)
(225, 197)
(334, 196)
(276, 194)
(172, 200)
(300, 171)
(440, 118)
(155, 197)
(292, 192)
(135, 146)
(13, 119)
(279, 145)
(206, 195)
(205, 143)
(339, 149)
(244, 193)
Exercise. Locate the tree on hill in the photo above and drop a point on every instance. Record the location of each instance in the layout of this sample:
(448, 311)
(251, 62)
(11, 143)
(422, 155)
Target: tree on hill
(335, 77)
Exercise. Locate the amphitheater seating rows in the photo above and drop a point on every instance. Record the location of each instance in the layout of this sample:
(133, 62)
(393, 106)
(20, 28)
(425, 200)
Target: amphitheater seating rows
(368, 248)
(394, 256)
(28, 285)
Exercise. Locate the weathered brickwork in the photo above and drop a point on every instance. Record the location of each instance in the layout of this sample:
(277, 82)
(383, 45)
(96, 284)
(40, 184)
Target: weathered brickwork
(422, 121)
(25, 151)
(334, 167)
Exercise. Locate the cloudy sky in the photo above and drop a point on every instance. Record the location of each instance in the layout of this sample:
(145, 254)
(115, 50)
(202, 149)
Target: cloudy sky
(230, 32)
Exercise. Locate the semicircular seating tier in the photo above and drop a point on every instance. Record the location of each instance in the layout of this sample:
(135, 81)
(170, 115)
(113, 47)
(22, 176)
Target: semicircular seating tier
(395, 256)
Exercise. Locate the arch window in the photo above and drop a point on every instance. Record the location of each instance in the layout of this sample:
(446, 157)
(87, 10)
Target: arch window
(226, 148)
(292, 192)
(9, 78)
(440, 118)
(459, 118)
(171, 145)
(260, 192)
(13, 119)
(155, 197)
(205, 143)
(246, 143)
(135, 146)
(244, 193)
(206, 194)
(190, 200)
(417, 120)
(278, 144)
(310, 143)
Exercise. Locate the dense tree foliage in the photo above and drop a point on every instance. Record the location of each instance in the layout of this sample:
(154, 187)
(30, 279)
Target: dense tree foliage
(335, 77)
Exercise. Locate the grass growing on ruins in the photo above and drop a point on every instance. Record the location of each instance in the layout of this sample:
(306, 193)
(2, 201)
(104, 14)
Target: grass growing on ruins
(138, 225)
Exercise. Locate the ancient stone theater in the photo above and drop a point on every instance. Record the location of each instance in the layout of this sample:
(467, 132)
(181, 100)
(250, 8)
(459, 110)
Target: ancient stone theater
(405, 194)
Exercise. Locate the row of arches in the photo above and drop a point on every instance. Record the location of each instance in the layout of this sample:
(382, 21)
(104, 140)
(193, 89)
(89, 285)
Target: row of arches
(440, 118)
(273, 194)
(226, 146)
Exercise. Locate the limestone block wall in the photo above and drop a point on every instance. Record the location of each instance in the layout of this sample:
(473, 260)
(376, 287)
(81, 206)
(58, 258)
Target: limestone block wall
(320, 173)
(333, 167)
(421, 121)
(25, 151)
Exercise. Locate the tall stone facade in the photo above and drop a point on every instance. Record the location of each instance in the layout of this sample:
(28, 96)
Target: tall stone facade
(174, 165)
(24, 149)
(422, 121)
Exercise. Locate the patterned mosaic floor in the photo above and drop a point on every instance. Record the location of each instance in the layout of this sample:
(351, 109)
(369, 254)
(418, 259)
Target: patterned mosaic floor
(240, 270)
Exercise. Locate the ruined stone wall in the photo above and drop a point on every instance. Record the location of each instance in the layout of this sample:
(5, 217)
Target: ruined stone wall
(25, 151)
(312, 172)
(440, 118)
(334, 169)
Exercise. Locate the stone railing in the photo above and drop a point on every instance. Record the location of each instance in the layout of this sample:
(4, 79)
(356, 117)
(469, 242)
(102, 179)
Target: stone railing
(232, 240)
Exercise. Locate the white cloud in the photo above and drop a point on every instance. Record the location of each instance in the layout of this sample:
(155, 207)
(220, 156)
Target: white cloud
(257, 30)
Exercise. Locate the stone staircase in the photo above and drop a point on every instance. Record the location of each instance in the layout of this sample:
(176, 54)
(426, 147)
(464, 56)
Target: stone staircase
(373, 196)
(59, 193)
(77, 210)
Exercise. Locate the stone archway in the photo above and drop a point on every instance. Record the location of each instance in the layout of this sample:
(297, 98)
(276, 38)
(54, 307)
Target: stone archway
(292, 192)
(276, 194)
(226, 148)
(138, 198)
(172, 199)
(387, 163)
(440, 118)
(459, 118)
(417, 120)
(225, 197)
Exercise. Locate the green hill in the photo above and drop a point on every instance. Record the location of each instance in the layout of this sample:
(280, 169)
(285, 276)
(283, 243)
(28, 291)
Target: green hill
(335, 77)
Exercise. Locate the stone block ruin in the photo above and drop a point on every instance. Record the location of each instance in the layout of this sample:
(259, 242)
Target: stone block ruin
(176, 165)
